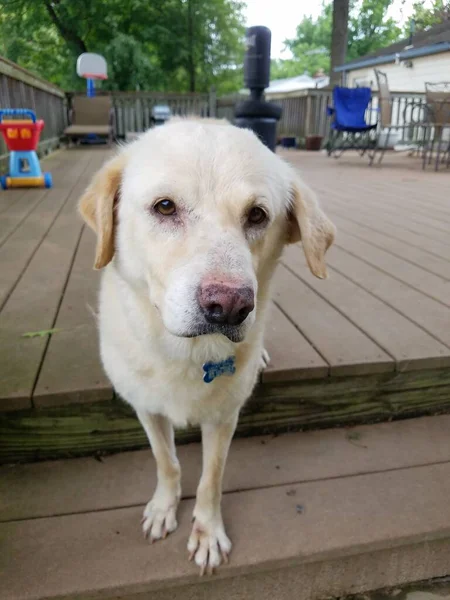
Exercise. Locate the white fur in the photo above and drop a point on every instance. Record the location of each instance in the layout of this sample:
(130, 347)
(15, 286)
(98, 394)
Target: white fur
(148, 297)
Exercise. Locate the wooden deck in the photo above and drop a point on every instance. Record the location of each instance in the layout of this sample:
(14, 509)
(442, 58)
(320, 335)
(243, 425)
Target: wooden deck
(371, 342)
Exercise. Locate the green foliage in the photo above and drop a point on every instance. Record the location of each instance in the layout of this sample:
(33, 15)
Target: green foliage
(282, 69)
(369, 29)
(125, 51)
(39, 49)
(427, 16)
(311, 46)
(159, 45)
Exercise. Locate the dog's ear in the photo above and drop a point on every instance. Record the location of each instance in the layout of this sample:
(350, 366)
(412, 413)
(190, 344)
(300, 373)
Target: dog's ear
(308, 224)
(98, 204)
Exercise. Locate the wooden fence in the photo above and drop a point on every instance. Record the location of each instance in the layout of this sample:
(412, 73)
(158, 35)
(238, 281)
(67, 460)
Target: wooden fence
(303, 113)
(21, 89)
(226, 105)
(133, 110)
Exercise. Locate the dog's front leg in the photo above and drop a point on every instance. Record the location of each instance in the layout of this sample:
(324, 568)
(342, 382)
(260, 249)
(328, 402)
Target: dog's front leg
(209, 543)
(160, 513)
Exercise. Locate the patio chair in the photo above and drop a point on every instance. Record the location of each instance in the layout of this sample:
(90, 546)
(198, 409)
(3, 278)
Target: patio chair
(349, 129)
(438, 110)
(385, 115)
(412, 118)
(91, 116)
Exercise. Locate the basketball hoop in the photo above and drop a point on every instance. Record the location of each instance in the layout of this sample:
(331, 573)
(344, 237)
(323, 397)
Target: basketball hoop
(91, 66)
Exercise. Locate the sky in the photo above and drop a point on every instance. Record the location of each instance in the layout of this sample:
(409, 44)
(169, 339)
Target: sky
(283, 16)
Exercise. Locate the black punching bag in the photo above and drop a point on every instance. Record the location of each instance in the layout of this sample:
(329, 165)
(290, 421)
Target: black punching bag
(257, 114)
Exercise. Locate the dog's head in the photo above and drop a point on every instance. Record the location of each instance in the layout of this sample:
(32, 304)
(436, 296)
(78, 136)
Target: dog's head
(195, 215)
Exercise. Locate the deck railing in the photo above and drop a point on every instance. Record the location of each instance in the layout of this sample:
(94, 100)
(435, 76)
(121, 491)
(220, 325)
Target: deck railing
(304, 112)
(133, 110)
(21, 89)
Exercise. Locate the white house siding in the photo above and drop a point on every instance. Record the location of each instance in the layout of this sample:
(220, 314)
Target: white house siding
(434, 68)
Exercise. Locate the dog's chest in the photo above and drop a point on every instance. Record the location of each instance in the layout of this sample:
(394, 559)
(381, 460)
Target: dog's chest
(150, 380)
(187, 380)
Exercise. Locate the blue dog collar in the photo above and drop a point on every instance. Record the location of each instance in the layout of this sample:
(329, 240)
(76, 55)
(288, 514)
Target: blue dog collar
(215, 369)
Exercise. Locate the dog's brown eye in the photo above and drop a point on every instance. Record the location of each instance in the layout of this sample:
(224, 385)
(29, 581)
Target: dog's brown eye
(166, 207)
(256, 216)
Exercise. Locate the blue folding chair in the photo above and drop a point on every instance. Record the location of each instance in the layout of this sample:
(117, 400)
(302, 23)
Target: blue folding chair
(349, 129)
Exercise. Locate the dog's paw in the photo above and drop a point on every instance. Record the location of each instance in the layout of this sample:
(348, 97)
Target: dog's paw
(208, 545)
(160, 518)
(265, 360)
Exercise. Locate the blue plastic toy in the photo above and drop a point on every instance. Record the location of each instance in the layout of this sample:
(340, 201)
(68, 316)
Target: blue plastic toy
(22, 138)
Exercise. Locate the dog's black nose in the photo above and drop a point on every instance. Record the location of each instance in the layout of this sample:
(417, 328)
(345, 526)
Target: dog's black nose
(226, 305)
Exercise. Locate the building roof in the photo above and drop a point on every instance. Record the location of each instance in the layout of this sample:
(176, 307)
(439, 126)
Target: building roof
(290, 85)
(430, 41)
(294, 84)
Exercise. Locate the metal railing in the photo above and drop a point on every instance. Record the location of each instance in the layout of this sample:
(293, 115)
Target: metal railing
(305, 112)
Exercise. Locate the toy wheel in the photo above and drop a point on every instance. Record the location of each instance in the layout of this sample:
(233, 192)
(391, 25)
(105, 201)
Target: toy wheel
(3, 182)
(48, 180)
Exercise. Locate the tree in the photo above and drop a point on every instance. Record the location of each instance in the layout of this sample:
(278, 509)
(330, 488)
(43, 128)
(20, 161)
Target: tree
(310, 47)
(161, 45)
(427, 16)
(47, 36)
(65, 27)
(339, 37)
(213, 44)
(368, 30)
(123, 52)
(283, 69)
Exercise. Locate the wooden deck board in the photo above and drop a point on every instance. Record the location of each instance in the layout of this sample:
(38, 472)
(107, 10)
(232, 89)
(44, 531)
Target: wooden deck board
(422, 310)
(12, 219)
(57, 488)
(384, 197)
(373, 211)
(19, 248)
(10, 200)
(377, 224)
(345, 347)
(408, 194)
(34, 303)
(394, 204)
(408, 344)
(291, 356)
(72, 363)
(376, 514)
(396, 247)
(418, 278)
(384, 309)
(407, 198)
(25, 201)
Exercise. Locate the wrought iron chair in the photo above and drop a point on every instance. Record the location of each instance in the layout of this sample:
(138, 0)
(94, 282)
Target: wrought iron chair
(438, 109)
(409, 122)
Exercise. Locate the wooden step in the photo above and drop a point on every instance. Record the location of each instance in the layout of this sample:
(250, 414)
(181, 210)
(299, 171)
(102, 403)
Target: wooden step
(310, 514)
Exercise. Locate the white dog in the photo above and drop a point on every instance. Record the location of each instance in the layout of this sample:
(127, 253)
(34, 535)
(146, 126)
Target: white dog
(191, 220)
